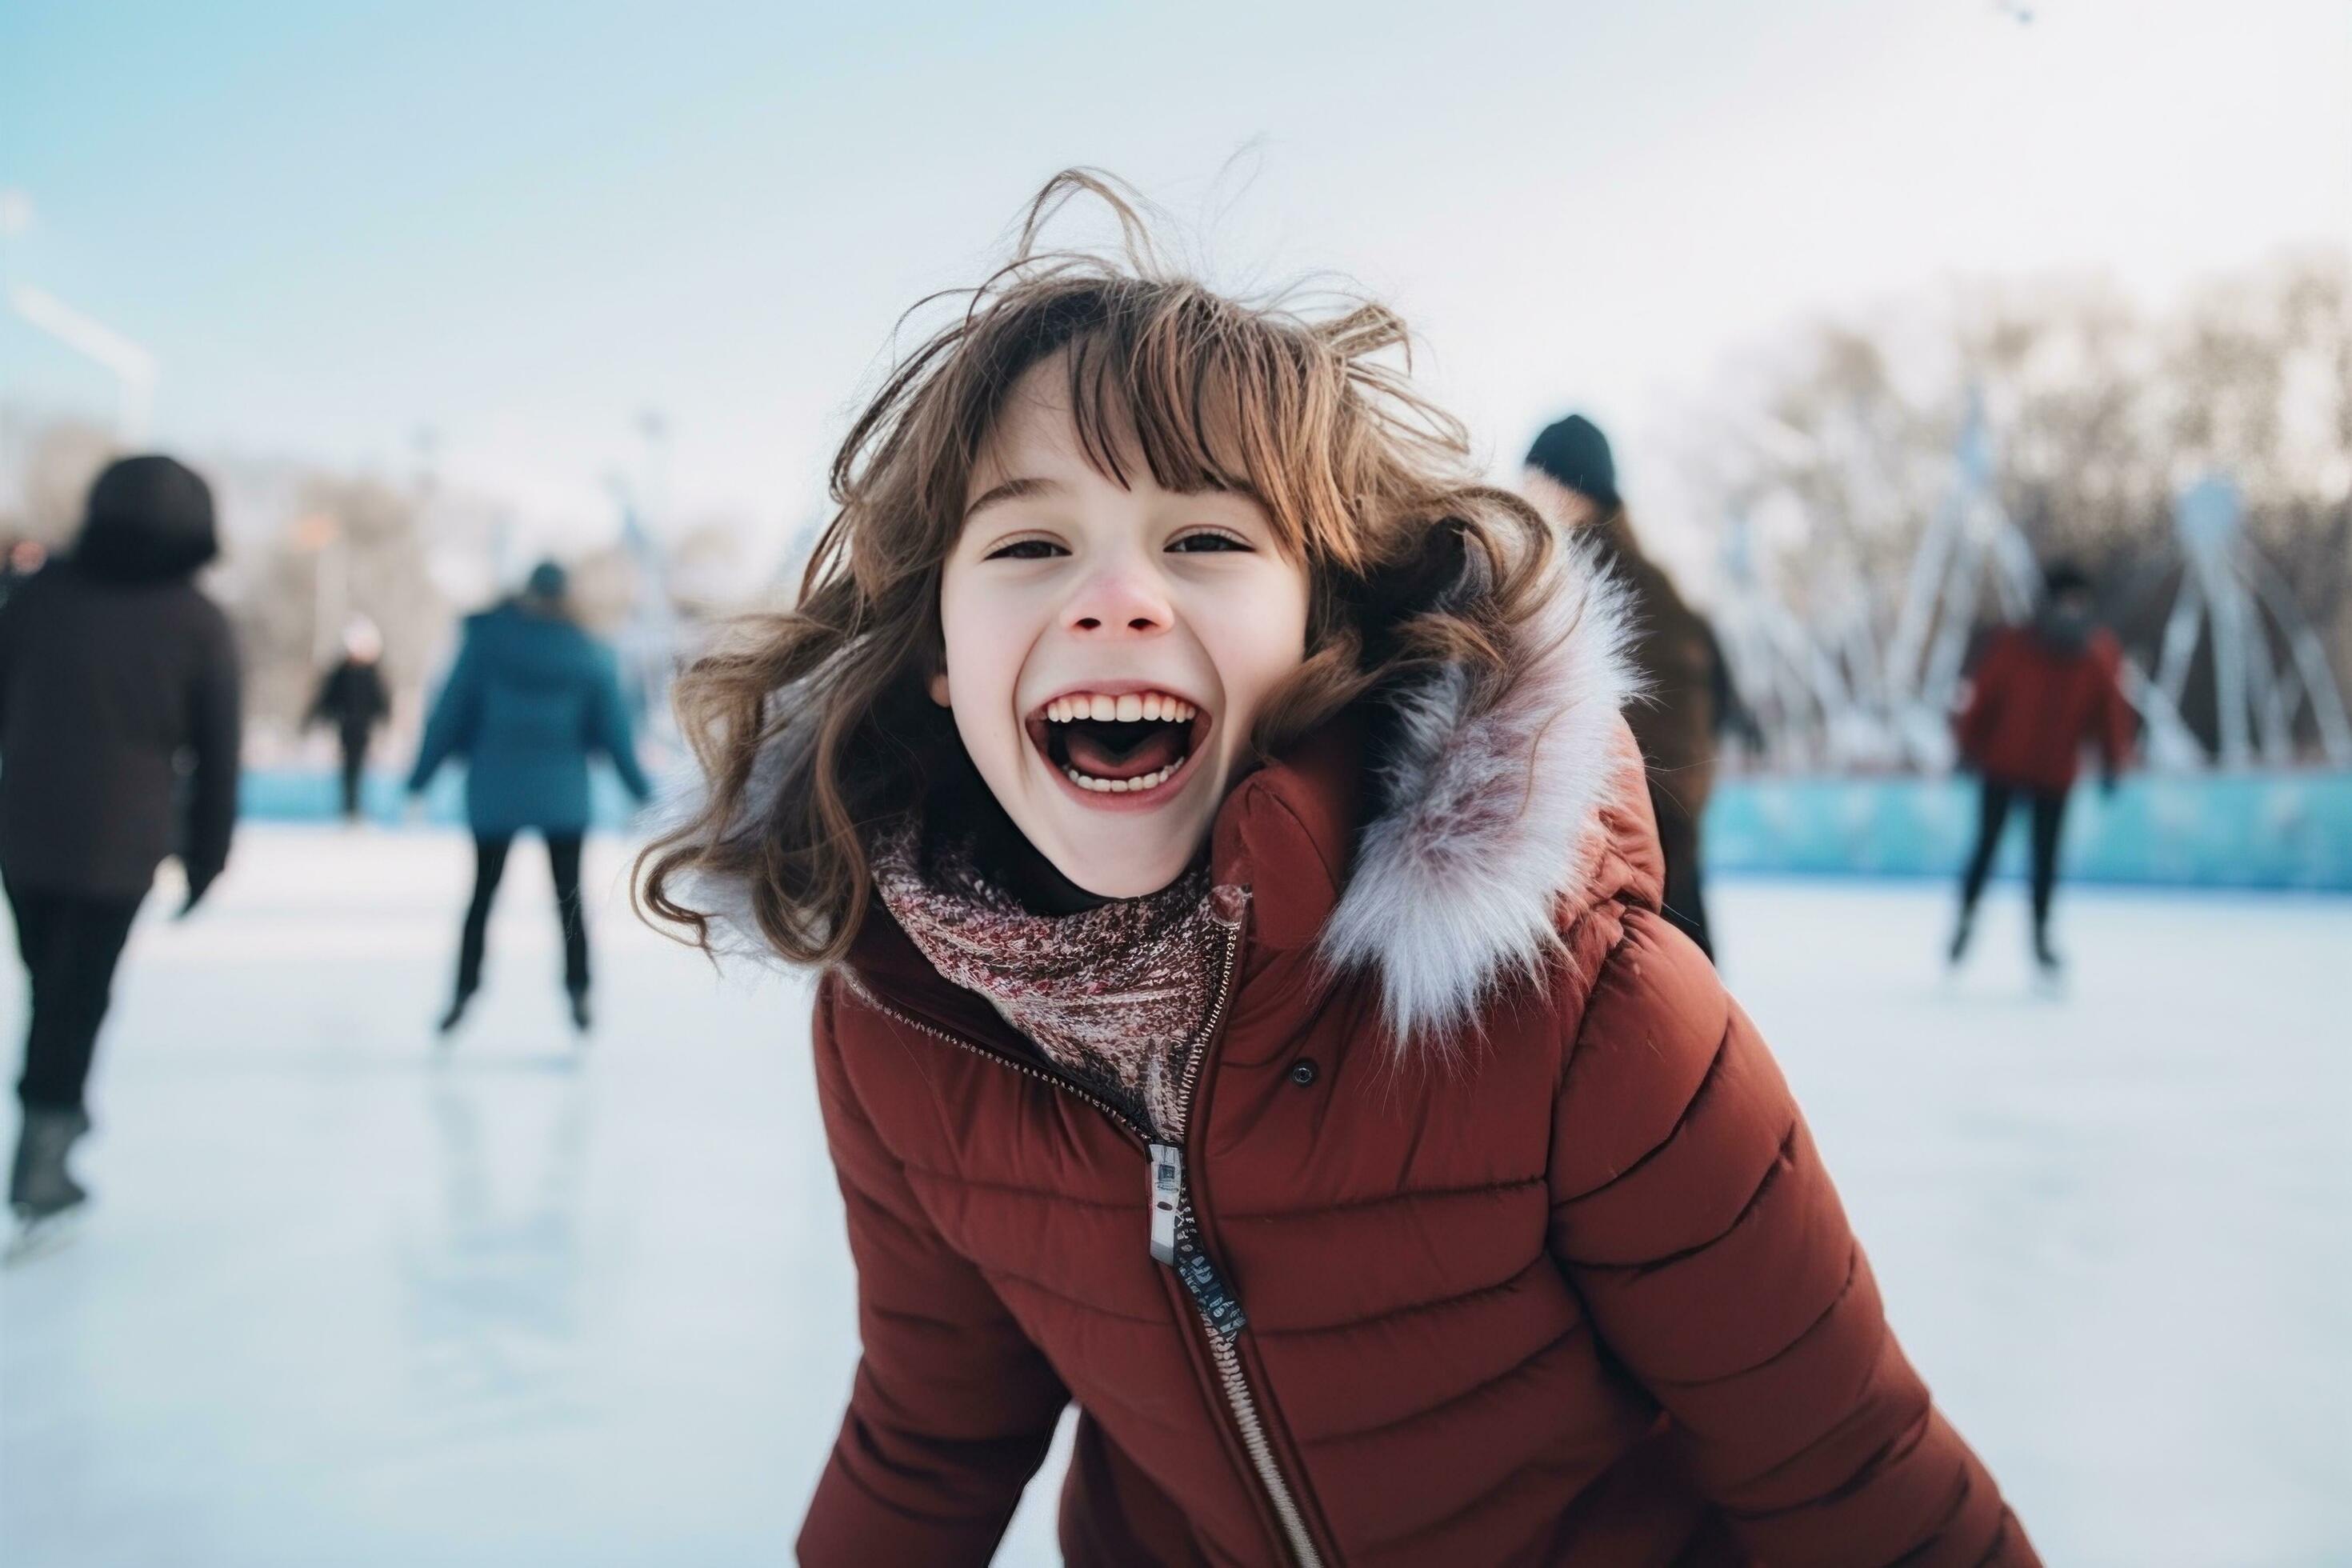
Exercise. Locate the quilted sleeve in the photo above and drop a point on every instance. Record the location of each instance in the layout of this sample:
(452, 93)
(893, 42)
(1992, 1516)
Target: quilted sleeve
(2113, 722)
(1988, 689)
(216, 727)
(952, 1408)
(1691, 1213)
(450, 731)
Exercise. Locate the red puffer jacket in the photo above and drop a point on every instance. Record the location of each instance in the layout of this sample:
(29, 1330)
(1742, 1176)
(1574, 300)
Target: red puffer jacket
(1574, 1290)
(2034, 706)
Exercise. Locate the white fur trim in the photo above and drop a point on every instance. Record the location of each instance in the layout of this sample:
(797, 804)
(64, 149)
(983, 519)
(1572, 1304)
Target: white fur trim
(1486, 819)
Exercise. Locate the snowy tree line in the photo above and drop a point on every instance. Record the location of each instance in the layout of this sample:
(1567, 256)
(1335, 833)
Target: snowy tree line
(1837, 446)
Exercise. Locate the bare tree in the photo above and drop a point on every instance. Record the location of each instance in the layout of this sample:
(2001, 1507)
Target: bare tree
(2097, 414)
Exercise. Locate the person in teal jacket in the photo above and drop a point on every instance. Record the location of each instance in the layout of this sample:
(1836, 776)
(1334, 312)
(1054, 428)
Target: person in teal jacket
(530, 700)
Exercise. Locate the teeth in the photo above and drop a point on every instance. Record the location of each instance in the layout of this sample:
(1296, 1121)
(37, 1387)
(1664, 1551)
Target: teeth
(1122, 786)
(1153, 705)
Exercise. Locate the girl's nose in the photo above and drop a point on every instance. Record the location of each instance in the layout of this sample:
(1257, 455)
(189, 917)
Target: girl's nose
(1118, 601)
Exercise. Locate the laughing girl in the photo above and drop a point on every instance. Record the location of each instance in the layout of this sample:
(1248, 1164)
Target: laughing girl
(1245, 1008)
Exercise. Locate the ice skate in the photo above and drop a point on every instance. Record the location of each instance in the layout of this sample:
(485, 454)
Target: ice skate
(29, 1238)
(582, 1019)
(43, 1199)
(2046, 958)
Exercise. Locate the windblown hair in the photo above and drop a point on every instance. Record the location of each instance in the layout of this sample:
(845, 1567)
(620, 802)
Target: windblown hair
(812, 727)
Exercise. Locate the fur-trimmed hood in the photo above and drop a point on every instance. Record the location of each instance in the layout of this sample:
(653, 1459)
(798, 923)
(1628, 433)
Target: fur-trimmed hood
(1484, 820)
(1479, 823)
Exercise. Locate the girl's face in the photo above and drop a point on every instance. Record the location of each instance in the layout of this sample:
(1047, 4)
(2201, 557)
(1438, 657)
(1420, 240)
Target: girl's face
(1108, 647)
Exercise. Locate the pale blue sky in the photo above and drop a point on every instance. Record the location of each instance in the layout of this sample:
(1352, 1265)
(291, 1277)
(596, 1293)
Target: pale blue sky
(520, 225)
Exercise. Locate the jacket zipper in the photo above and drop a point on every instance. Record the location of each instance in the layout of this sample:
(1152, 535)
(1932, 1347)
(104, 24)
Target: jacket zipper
(1221, 1311)
(1174, 1240)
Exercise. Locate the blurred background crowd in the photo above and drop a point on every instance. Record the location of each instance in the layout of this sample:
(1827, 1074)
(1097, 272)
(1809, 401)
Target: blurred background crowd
(1965, 387)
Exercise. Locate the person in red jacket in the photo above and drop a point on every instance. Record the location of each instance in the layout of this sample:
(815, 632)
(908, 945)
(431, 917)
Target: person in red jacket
(1245, 1006)
(2041, 693)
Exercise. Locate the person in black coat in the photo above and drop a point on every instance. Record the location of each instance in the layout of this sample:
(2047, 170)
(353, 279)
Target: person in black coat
(118, 733)
(353, 699)
(1571, 478)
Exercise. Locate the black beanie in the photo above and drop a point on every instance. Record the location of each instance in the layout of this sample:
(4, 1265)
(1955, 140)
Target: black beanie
(1576, 453)
(148, 520)
(2064, 575)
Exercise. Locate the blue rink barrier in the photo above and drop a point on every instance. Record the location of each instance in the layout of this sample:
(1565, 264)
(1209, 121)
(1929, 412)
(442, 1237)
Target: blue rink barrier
(307, 794)
(2245, 830)
(2252, 830)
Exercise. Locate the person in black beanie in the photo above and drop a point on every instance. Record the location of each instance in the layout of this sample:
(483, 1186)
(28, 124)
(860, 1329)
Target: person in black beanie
(115, 671)
(1571, 478)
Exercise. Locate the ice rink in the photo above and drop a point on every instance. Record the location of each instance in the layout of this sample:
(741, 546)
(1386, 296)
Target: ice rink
(347, 1299)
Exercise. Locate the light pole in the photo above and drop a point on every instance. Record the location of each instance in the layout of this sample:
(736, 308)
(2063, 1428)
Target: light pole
(321, 535)
(133, 366)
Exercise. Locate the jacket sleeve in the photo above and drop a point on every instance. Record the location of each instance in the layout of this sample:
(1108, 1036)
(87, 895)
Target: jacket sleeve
(613, 734)
(952, 1408)
(1987, 687)
(2115, 721)
(8, 619)
(450, 729)
(215, 736)
(1692, 1214)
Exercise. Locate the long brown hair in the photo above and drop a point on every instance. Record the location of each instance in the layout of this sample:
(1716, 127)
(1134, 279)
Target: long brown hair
(811, 726)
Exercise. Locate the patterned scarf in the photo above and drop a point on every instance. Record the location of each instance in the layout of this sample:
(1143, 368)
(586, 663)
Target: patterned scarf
(1115, 996)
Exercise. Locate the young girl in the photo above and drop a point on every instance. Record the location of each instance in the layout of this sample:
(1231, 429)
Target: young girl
(1245, 1007)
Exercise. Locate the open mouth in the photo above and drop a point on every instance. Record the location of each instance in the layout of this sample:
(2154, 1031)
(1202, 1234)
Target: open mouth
(1128, 743)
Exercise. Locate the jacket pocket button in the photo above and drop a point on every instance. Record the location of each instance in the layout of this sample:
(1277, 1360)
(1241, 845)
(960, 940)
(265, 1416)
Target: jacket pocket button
(1302, 1072)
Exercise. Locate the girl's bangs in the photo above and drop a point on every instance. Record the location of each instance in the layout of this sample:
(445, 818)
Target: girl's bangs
(1198, 410)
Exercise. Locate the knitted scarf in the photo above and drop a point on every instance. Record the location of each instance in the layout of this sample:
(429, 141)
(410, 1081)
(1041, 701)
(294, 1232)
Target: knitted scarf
(1115, 996)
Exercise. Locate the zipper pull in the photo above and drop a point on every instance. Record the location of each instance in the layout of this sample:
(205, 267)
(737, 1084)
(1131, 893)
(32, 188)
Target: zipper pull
(1174, 1244)
(1167, 1191)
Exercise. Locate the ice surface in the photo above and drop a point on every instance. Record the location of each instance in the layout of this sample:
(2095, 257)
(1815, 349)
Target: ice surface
(342, 1301)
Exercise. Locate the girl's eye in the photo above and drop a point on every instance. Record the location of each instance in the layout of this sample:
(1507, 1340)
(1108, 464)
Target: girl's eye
(1027, 550)
(1194, 542)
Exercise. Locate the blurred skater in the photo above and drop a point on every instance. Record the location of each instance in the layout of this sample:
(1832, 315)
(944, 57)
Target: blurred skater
(2042, 691)
(353, 699)
(19, 562)
(114, 669)
(532, 698)
(1571, 478)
